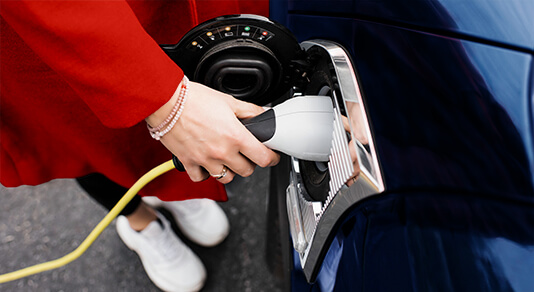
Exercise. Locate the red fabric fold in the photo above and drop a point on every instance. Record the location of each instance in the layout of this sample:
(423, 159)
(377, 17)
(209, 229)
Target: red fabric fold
(79, 77)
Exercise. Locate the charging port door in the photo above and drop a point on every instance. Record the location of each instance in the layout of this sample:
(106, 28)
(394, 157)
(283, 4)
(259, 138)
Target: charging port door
(319, 193)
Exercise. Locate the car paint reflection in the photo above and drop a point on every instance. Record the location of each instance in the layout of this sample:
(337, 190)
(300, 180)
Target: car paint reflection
(452, 119)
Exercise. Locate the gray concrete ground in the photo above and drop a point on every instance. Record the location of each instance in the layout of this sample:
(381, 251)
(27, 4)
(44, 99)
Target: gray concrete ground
(48, 221)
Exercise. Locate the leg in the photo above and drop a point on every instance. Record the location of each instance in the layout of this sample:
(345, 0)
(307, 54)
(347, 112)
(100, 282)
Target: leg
(108, 193)
(169, 263)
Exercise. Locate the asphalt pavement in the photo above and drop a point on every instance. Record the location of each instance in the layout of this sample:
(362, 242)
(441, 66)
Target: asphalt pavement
(45, 222)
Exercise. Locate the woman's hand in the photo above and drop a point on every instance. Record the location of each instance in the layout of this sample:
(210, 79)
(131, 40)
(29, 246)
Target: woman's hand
(209, 137)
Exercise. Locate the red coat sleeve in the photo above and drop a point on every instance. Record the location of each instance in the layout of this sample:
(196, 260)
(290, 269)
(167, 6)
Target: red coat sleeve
(102, 52)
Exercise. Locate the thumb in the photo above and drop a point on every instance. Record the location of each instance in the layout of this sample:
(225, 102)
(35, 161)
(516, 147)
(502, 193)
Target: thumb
(245, 110)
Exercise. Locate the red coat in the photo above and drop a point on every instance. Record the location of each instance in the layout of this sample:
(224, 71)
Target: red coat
(79, 77)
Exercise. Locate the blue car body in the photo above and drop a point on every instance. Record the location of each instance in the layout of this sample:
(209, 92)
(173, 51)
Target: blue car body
(449, 91)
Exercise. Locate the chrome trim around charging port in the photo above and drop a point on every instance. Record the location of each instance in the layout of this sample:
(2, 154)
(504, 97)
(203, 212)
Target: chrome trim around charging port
(313, 223)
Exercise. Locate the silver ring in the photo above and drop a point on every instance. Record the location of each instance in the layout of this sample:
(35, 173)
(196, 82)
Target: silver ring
(222, 174)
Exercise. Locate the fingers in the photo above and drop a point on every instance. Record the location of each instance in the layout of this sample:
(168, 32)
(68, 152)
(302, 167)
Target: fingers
(239, 159)
(251, 147)
(206, 138)
(226, 170)
(241, 165)
(353, 154)
(258, 153)
(245, 110)
(224, 175)
(196, 172)
(355, 163)
(346, 124)
(225, 165)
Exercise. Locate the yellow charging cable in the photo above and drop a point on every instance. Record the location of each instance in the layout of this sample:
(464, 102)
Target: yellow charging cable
(145, 179)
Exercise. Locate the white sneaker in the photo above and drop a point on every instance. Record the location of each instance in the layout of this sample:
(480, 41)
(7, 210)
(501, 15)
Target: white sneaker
(203, 221)
(169, 263)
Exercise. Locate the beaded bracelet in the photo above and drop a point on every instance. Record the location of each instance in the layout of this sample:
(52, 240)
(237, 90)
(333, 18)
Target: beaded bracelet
(173, 112)
(171, 120)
